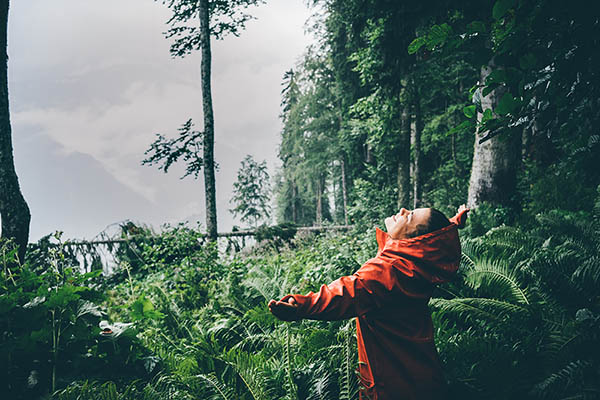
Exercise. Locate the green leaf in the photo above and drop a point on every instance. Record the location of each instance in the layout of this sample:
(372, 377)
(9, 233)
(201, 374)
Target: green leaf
(506, 105)
(61, 298)
(501, 7)
(489, 88)
(462, 126)
(143, 308)
(527, 61)
(487, 115)
(469, 111)
(416, 44)
(497, 76)
(438, 34)
(476, 27)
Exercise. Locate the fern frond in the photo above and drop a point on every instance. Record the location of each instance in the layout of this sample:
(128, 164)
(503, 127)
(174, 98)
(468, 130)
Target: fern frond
(588, 275)
(320, 386)
(560, 382)
(219, 389)
(478, 308)
(494, 279)
(248, 369)
(472, 250)
(349, 383)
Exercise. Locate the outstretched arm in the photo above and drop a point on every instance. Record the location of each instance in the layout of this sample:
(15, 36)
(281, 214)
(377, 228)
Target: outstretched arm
(349, 296)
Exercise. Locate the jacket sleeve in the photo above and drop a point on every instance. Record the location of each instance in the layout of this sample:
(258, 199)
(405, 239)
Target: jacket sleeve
(372, 286)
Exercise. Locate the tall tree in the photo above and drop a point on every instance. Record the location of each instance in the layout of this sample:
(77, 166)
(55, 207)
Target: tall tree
(14, 211)
(495, 160)
(309, 139)
(217, 18)
(290, 196)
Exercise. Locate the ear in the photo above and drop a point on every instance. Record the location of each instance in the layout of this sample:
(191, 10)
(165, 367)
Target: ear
(421, 229)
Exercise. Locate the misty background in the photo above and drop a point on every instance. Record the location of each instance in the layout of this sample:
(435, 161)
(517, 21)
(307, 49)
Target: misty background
(90, 85)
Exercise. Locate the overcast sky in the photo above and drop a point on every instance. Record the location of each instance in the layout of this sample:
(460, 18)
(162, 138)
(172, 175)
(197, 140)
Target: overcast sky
(91, 83)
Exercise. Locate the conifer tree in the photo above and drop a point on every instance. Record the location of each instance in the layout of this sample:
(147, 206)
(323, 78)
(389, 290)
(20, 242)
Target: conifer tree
(252, 192)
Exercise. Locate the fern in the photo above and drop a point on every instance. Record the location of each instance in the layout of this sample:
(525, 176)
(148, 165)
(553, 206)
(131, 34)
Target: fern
(509, 243)
(348, 387)
(218, 389)
(320, 386)
(248, 369)
(495, 279)
(560, 383)
(291, 389)
(479, 308)
(587, 275)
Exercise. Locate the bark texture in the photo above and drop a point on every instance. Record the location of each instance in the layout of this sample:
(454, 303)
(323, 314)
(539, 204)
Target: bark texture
(404, 158)
(14, 211)
(209, 123)
(495, 161)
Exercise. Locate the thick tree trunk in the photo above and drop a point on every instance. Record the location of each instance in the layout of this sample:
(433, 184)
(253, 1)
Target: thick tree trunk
(493, 173)
(209, 123)
(344, 192)
(416, 170)
(404, 158)
(14, 211)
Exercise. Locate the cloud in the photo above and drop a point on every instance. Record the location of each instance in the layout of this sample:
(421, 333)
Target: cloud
(97, 81)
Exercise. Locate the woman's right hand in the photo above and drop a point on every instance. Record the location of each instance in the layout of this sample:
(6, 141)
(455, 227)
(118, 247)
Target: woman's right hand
(284, 309)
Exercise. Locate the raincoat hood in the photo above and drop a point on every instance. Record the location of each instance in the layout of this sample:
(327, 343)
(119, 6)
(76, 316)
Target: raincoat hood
(434, 256)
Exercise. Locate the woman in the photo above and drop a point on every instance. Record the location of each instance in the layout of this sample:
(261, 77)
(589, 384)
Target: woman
(389, 295)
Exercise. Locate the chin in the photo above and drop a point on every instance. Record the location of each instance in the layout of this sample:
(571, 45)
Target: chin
(388, 223)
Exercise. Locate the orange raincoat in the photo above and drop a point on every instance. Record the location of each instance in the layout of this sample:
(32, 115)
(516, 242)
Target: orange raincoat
(389, 294)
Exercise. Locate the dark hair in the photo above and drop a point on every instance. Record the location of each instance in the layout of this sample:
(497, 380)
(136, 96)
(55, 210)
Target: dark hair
(437, 220)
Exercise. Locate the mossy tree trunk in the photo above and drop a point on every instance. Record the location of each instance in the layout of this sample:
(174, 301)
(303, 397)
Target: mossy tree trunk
(495, 161)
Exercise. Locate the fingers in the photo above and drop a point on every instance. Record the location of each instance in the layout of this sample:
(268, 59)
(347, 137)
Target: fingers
(284, 310)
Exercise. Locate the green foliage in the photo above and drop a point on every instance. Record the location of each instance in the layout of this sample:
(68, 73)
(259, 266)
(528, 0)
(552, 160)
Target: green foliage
(486, 217)
(371, 203)
(187, 146)
(437, 35)
(520, 305)
(195, 322)
(225, 17)
(52, 334)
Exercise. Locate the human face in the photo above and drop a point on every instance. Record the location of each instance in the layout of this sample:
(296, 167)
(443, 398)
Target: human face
(407, 223)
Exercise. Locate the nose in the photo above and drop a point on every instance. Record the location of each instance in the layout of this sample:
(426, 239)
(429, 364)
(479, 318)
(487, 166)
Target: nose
(404, 211)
